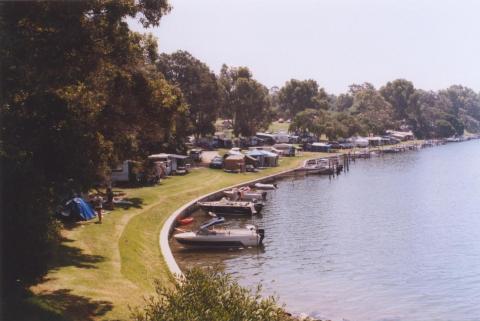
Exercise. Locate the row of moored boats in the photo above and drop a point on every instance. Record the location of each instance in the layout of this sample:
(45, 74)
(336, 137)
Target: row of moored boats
(244, 201)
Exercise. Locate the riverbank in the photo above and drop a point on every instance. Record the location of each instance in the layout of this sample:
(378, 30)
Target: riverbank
(102, 269)
(334, 247)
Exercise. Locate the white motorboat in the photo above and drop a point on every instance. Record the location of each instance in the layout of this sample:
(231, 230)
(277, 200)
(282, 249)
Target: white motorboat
(226, 207)
(245, 194)
(317, 166)
(208, 236)
(262, 186)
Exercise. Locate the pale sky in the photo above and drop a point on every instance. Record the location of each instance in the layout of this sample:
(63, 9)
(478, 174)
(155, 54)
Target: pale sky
(336, 42)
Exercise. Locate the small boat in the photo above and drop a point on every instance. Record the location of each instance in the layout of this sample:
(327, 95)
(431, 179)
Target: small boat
(262, 186)
(244, 194)
(185, 221)
(209, 237)
(226, 207)
(317, 166)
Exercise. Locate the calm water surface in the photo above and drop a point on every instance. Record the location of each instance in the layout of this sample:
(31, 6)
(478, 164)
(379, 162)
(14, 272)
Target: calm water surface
(395, 238)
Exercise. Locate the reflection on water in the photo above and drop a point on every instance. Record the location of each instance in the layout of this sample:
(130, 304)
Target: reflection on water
(396, 238)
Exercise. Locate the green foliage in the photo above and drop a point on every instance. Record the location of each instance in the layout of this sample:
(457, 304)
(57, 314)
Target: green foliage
(298, 95)
(431, 107)
(209, 295)
(199, 87)
(443, 128)
(465, 106)
(400, 94)
(331, 124)
(78, 95)
(371, 109)
(343, 102)
(309, 121)
(364, 110)
(244, 100)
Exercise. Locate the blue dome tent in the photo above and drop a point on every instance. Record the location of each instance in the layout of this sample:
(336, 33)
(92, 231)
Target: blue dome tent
(78, 209)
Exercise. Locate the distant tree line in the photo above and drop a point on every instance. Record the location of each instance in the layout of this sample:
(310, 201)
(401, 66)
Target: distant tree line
(81, 92)
(365, 110)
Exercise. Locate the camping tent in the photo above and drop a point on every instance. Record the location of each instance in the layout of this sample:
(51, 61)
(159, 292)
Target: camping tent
(249, 160)
(319, 147)
(265, 158)
(234, 163)
(285, 149)
(78, 209)
(259, 156)
(271, 159)
(172, 162)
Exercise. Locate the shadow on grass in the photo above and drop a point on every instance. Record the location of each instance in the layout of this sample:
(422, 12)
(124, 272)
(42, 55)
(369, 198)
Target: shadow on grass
(127, 203)
(67, 255)
(59, 305)
(75, 307)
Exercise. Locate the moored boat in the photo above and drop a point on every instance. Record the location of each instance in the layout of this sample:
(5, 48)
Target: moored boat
(245, 194)
(317, 166)
(209, 237)
(262, 186)
(226, 207)
(185, 221)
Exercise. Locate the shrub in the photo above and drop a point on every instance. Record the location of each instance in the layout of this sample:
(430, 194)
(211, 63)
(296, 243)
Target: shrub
(206, 295)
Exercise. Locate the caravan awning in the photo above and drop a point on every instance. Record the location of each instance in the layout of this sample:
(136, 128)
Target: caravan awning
(256, 152)
(163, 155)
(178, 156)
(155, 156)
(269, 154)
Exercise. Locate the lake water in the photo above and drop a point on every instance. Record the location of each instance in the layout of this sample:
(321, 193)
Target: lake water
(395, 238)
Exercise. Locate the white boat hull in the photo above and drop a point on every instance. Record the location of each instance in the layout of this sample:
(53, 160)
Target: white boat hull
(262, 186)
(247, 196)
(235, 238)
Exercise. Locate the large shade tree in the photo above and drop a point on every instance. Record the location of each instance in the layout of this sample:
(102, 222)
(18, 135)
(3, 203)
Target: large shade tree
(298, 95)
(199, 87)
(432, 116)
(465, 106)
(371, 109)
(77, 94)
(400, 93)
(331, 124)
(245, 100)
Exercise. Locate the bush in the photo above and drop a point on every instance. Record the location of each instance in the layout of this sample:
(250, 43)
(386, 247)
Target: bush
(206, 295)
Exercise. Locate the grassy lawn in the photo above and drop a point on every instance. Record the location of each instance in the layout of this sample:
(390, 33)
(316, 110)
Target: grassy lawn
(102, 269)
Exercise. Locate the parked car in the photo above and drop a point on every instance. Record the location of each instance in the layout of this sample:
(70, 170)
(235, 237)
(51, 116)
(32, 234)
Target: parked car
(217, 162)
(335, 144)
(346, 145)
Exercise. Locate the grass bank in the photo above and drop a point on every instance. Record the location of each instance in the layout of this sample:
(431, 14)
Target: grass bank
(102, 269)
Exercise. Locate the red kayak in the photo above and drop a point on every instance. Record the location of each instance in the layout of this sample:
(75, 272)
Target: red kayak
(186, 220)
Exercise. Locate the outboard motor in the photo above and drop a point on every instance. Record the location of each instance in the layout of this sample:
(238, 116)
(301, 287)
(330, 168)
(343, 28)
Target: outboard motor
(258, 205)
(261, 232)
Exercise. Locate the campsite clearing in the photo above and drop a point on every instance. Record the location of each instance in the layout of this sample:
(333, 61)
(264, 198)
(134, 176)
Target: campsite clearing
(101, 270)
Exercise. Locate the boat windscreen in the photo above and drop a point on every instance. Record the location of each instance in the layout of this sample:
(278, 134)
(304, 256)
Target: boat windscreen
(212, 222)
